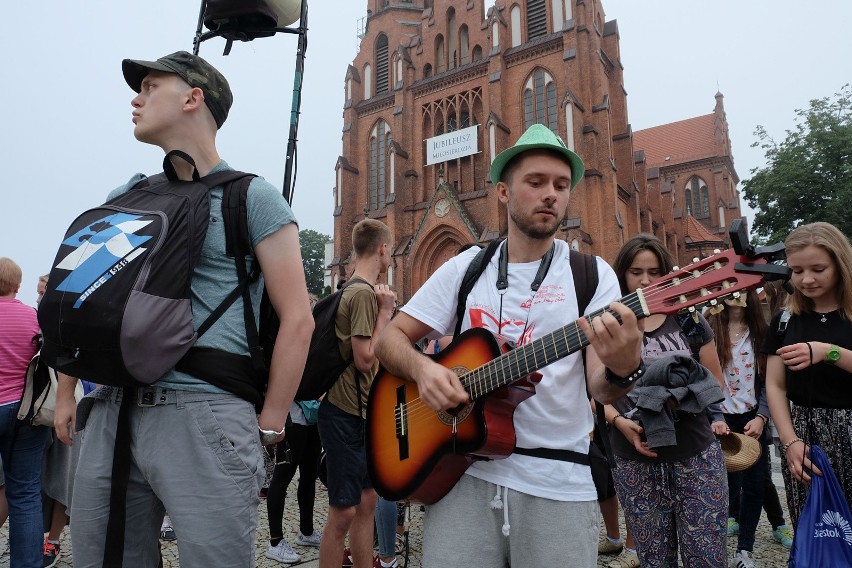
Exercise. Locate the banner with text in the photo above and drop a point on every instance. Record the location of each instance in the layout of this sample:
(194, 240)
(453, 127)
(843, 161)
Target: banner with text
(456, 144)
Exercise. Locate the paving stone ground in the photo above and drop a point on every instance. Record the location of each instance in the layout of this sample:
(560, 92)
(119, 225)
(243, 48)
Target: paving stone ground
(767, 552)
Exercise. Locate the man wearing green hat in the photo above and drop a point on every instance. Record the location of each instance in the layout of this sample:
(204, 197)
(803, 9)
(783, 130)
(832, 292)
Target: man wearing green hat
(196, 448)
(539, 507)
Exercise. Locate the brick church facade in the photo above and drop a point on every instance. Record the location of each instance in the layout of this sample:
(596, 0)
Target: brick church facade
(431, 67)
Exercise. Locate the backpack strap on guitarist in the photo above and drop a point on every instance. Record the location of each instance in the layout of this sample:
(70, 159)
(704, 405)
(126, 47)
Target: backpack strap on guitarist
(474, 271)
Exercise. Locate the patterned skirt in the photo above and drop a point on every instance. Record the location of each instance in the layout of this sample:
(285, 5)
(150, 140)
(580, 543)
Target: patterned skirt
(831, 430)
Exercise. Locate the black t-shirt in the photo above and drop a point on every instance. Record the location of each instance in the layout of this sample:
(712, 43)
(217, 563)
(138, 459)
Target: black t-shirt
(820, 385)
(692, 431)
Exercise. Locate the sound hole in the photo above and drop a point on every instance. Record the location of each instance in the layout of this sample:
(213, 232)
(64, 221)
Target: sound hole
(458, 413)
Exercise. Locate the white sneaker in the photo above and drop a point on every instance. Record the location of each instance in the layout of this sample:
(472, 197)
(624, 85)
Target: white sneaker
(741, 559)
(311, 540)
(282, 553)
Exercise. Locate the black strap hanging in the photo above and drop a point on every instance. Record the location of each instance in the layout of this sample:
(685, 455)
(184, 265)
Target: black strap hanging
(503, 269)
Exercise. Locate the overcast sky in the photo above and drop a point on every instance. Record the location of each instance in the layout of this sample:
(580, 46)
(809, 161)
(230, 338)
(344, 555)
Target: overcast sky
(67, 136)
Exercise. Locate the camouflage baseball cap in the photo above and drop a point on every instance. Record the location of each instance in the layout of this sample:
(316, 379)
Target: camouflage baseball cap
(192, 69)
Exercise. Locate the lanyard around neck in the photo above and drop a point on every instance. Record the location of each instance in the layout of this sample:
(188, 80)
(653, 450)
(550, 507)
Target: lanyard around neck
(503, 280)
(503, 269)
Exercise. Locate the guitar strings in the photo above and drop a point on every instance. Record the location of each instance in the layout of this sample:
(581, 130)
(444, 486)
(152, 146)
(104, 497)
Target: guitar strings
(482, 380)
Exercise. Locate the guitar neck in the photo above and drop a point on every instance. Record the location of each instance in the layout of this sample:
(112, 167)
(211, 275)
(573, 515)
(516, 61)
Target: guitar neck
(522, 361)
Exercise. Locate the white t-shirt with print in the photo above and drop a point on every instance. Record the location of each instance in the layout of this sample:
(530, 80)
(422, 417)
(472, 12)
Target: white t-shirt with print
(558, 416)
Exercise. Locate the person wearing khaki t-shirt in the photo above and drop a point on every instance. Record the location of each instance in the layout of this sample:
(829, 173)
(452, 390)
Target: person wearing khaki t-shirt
(365, 309)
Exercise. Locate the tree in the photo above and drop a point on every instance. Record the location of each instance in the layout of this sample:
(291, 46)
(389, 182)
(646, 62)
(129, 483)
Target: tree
(809, 175)
(313, 255)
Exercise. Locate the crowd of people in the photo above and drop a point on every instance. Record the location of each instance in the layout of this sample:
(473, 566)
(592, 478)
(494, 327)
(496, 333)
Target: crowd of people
(196, 459)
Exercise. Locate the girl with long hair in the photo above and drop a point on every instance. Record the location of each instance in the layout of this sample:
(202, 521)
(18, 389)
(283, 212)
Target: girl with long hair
(660, 487)
(740, 329)
(809, 360)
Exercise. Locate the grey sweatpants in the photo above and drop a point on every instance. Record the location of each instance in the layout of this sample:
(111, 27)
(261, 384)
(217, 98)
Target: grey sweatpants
(196, 455)
(463, 530)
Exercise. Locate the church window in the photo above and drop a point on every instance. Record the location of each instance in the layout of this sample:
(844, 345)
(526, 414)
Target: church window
(440, 55)
(697, 198)
(536, 19)
(382, 64)
(515, 17)
(368, 78)
(464, 46)
(540, 100)
(380, 139)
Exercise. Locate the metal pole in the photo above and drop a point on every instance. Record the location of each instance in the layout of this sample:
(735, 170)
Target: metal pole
(196, 41)
(289, 182)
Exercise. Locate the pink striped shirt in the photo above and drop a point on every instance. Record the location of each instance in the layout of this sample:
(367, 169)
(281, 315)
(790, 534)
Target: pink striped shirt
(18, 326)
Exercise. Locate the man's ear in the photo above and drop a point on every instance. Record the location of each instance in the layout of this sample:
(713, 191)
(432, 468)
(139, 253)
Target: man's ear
(502, 192)
(194, 99)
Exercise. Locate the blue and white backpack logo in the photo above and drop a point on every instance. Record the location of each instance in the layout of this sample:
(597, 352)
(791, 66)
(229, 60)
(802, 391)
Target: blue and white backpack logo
(101, 250)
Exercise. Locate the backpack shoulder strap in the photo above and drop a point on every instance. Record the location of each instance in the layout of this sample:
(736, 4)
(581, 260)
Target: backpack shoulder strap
(237, 241)
(584, 268)
(474, 271)
(235, 216)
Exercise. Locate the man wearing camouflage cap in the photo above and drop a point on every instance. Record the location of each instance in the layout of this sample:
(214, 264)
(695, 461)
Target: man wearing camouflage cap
(196, 449)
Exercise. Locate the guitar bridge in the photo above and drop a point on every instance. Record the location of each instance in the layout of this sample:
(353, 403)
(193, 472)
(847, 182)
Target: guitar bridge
(401, 417)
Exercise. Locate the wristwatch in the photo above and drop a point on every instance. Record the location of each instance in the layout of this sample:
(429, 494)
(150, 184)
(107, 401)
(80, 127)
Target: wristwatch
(832, 356)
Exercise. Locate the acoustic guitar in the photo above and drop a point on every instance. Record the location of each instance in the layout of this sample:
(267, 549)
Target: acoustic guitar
(416, 453)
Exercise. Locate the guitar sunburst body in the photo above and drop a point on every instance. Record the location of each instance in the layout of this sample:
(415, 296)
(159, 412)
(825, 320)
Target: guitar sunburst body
(423, 453)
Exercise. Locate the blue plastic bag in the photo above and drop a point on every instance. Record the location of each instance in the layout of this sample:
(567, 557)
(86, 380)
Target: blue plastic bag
(824, 533)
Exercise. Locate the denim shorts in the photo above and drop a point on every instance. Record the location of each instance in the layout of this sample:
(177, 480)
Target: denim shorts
(342, 436)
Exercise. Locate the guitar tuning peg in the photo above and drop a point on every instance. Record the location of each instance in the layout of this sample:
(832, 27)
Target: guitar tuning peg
(716, 251)
(695, 259)
(691, 309)
(715, 308)
(675, 268)
(735, 295)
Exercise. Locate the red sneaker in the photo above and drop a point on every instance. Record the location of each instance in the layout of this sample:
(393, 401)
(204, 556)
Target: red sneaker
(347, 558)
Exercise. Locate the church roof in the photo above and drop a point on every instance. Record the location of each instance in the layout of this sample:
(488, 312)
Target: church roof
(682, 141)
(694, 232)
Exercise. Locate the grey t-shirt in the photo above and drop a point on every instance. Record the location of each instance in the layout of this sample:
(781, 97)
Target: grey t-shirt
(215, 275)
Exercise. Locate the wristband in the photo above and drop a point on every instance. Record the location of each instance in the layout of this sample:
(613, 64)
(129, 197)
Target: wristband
(765, 419)
(624, 382)
(614, 418)
(790, 443)
(268, 436)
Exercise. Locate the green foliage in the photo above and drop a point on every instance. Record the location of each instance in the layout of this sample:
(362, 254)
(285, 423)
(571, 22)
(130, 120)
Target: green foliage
(809, 175)
(313, 256)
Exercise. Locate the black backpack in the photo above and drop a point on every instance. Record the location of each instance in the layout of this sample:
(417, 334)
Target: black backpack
(325, 363)
(117, 307)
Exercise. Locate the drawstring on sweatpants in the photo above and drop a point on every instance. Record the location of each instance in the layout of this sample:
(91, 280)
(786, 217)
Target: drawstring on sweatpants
(497, 503)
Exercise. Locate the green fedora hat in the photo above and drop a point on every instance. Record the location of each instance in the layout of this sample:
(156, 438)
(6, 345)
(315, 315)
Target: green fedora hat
(538, 137)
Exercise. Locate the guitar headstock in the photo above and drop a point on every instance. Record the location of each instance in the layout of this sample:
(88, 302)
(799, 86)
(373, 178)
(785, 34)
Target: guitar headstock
(707, 279)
